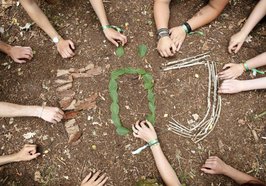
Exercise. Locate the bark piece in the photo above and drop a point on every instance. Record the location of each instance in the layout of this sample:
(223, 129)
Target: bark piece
(73, 131)
(71, 106)
(65, 102)
(87, 104)
(61, 72)
(64, 80)
(90, 73)
(64, 87)
(70, 115)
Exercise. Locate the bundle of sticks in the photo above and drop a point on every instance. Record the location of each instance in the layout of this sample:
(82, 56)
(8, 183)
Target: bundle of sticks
(199, 130)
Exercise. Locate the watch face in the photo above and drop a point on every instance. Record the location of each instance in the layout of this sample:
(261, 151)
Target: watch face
(55, 40)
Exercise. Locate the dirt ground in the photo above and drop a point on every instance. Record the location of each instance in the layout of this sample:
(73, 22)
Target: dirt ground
(178, 94)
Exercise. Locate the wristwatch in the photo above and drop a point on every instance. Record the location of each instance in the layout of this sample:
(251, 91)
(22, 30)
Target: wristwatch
(55, 40)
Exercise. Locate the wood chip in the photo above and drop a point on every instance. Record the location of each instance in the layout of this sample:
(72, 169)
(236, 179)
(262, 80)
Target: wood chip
(62, 72)
(65, 102)
(70, 115)
(71, 106)
(64, 80)
(64, 87)
(87, 104)
(73, 131)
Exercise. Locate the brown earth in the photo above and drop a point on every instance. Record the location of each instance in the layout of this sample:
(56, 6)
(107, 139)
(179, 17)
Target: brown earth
(31, 84)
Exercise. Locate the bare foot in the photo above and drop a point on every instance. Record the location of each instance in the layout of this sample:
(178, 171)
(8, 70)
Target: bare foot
(51, 114)
(231, 87)
(20, 54)
(94, 179)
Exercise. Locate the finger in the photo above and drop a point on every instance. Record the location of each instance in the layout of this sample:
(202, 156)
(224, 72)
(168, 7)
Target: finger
(29, 52)
(136, 135)
(134, 129)
(143, 125)
(114, 42)
(238, 47)
(230, 47)
(103, 182)
(161, 53)
(100, 179)
(179, 46)
(169, 52)
(20, 61)
(150, 125)
(173, 48)
(53, 121)
(165, 54)
(227, 65)
(95, 176)
(57, 119)
(208, 171)
(71, 44)
(138, 127)
(120, 38)
(69, 51)
(35, 155)
(86, 178)
(60, 116)
(63, 54)
(123, 39)
(26, 56)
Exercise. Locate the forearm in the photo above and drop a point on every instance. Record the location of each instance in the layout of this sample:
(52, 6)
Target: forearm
(14, 110)
(257, 14)
(207, 14)
(161, 13)
(39, 17)
(259, 83)
(100, 11)
(238, 176)
(5, 47)
(8, 159)
(257, 61)
(166, 171)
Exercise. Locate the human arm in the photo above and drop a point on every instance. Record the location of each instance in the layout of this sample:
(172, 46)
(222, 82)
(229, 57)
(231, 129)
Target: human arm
(28, 152)
(239, 38)
(205, 15)
(64, 47)
(235, 70)
(50, 114)
(214, 165)
(17, 53)
(144, 130)
(232, 86)
(165, 45)
(94, 179)
(111, 34)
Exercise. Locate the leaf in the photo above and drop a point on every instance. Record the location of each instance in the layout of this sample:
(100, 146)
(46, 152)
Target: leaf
(197, 32)
(114, 108)
(120, 51)
(151, 107)
(142, 50)
(122, 131)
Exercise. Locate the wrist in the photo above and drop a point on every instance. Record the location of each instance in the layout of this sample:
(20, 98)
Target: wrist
(162, 32)
(7, 49)
(227, 170)
(15, 157)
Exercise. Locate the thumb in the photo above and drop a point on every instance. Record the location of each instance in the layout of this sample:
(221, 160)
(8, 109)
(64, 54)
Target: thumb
(72, 44)
(208, 171)
(227, 65)
(35, 155)
(114, 42)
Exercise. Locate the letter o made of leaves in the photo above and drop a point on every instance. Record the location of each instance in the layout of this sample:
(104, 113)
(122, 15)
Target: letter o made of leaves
(113, 88)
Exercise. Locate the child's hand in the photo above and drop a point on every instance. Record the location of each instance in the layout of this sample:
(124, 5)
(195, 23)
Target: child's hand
(28, 152)
(236, 42)
(19, 54)
(234, 71)
(94, 179)
(114, 36)
(144, 130)
(214, 165)
(65, 48)
(166, 47)
(231, 86)
(178, 36)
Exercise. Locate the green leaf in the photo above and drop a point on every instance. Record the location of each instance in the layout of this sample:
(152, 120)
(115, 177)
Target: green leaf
(122, 131)
(142, 50)
(115, 74)
(197, 32)
(114, 108)
(152, 107)
(120, 51)
(114, 95)
(116, 120)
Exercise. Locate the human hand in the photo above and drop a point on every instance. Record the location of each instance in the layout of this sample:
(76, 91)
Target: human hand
(231, 86)
(214, 165)
(166, 47)
(94, 179)
(178, 35)
(114, 36)
(51, 114)
(28, 152)
(65, 48)
(19, 54)
(233, 71)
(236, 42)
(144, 130)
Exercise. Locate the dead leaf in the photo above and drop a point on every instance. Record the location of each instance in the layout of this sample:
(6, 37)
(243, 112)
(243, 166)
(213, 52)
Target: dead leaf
(64, 80)
(67, 93)
(65, 102)
(64, 87)
(70, 115)
(61, 72)
(71, 106)
(87, 104)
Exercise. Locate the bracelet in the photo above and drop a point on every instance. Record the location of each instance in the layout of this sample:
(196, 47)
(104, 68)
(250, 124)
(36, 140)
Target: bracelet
(153, 142)
(113, 27)
(185, 28)
(163, 32)
(188, 27)
(246, 66)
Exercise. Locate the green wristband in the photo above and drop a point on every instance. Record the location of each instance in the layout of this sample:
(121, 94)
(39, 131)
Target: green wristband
(246, 66)
(112, 26)
(153, 142)
(185, 28)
